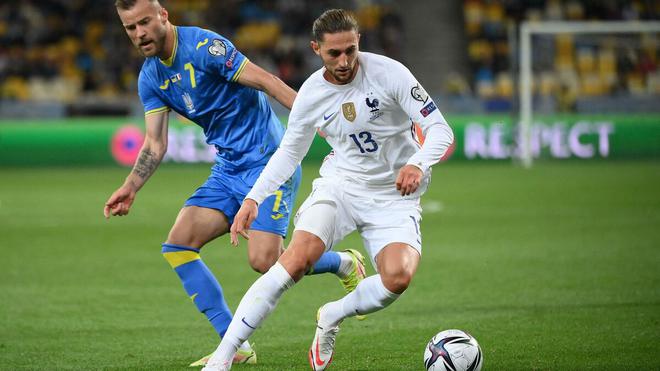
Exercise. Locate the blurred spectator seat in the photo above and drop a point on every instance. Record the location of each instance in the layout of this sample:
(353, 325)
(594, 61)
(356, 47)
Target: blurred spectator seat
(70, 50)
(257, 35)
(565, 66)
(17, 109)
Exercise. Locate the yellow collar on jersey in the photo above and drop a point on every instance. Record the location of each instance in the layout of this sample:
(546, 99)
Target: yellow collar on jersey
(168, 62)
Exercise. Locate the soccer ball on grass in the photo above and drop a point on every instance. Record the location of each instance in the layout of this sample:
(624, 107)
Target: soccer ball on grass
(453, 350)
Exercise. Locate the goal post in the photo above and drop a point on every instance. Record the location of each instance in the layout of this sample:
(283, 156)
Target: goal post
(527, 31)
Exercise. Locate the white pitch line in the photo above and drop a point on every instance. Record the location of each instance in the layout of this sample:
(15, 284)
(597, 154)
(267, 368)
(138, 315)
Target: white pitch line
(432, 207)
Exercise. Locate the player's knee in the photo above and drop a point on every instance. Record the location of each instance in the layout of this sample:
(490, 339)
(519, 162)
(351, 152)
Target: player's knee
(184, 239)
(311, 242)
(396, 282)
(263, 251)
(298, 266)
(178, 239)
(297, 263)
(262, 264)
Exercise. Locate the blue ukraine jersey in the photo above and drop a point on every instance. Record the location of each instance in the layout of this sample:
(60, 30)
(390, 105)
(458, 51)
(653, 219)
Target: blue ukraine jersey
(199, 82)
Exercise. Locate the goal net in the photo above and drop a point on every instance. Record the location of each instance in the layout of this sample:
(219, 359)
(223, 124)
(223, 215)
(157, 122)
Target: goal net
(576, 78)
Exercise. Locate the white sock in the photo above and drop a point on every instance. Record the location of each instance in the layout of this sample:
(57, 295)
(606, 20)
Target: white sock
(369, 296)
(257, 303)
(345, 264)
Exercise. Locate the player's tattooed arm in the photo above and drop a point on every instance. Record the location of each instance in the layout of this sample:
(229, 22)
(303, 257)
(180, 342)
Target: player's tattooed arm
(152, 152)
(146, 163)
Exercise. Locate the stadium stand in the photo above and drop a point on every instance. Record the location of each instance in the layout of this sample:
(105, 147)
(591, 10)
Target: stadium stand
(69, 53)
(574, 67)
(66, 50)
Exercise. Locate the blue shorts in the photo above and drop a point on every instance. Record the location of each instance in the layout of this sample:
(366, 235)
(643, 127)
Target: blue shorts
(225, 190)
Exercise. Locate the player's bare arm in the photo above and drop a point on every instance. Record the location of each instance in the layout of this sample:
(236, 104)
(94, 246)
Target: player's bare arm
(151, 154)
(257, 78)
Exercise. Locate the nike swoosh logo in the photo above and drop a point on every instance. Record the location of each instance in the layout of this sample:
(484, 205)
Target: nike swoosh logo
(193, 296)
(247, 324)
(326, 118)
(318, 360)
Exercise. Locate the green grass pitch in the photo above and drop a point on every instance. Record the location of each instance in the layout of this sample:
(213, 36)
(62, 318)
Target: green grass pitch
(553, 268)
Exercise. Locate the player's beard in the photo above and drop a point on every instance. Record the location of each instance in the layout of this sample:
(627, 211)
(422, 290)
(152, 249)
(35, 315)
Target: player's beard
(150, 49)
(154, 47)
(344, 75)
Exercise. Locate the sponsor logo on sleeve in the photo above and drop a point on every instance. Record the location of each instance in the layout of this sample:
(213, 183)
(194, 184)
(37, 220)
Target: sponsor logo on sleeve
(419, 94)
(428, 109)
(217, 48)
(230, 61)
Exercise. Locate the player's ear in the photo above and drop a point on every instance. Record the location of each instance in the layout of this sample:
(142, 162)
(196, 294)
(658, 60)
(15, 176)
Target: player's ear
(316, 47)
(163, 15)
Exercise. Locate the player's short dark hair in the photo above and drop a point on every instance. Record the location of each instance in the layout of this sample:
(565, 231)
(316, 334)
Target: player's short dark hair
(128, 4)
(333, 21)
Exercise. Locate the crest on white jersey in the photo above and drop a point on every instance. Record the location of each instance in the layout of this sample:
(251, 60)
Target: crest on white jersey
(348, 109)
(419, 94)
(373, 105)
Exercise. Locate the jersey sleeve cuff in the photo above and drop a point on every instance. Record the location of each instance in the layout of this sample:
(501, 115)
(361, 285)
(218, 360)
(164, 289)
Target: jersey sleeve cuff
(240, 70)
(418, 164)
(254, 197)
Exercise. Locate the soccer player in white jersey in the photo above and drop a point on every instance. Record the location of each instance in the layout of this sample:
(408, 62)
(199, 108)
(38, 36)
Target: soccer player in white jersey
(203, 77)
(366, 105)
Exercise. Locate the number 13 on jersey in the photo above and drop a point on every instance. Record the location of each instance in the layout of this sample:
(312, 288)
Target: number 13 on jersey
(365, 143)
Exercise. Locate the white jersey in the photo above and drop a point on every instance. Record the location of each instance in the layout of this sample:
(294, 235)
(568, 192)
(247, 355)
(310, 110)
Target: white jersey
(369, 124)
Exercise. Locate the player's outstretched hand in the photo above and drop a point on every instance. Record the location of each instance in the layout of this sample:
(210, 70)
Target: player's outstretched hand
(243, 219)
(120, 202)
(408, 179)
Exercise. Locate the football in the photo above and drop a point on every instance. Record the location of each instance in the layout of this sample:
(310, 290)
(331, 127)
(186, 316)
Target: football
(453, 350)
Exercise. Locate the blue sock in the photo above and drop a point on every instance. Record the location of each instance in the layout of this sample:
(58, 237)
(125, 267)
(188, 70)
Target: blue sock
(200, 284)
(329, 262)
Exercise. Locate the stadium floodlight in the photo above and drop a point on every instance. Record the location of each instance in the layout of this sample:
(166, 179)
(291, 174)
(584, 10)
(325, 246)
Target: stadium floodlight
(531, 28)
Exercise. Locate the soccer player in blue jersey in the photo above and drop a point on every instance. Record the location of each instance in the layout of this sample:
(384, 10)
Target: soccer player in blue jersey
(203, 77)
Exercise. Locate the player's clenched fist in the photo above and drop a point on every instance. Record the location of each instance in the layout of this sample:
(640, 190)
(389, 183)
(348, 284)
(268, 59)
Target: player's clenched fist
(120, 202)
(243, 219)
